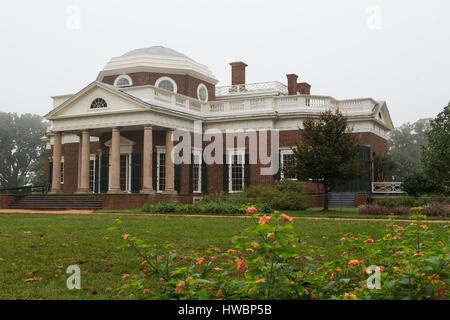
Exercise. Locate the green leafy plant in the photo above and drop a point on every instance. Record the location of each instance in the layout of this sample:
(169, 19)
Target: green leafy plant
(269, 261)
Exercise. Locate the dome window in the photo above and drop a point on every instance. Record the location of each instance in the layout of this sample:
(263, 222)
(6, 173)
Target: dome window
(166, 83)
(99, 103)
(202, 93)
(123, 81)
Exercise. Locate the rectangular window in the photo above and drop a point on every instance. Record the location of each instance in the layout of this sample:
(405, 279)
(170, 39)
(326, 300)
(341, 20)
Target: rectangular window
(62, 171)
(236, 172)
(161, 172)
(196, 173)
(287, 158)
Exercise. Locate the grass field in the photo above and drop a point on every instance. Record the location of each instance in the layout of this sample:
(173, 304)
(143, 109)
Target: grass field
(44, 245)
(310, 212)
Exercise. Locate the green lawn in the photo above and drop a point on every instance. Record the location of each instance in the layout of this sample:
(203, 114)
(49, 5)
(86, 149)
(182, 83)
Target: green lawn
(310, 212)
(44, 245)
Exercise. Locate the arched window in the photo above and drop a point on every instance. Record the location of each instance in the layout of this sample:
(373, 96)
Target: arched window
(99, 103)
(202, 92)
(123, 81)
(166, 83)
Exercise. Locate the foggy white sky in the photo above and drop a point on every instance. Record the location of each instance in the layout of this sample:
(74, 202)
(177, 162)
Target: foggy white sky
(398, 51)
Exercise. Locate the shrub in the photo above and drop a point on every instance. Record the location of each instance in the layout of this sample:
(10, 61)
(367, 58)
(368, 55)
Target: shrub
(285, 195)
(288, 184)
(417, 183)
(207, 206)
(269, 261)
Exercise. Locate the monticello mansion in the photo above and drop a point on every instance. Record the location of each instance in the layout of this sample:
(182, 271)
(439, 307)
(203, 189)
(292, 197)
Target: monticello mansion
(119, 134)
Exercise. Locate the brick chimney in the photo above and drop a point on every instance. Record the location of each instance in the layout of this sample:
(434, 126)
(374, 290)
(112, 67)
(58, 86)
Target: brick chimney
(238, 72)
(292, 83)
(304, 88)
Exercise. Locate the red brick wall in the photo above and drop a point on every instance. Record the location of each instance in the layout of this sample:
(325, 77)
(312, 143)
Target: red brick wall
(6, 199)
(215, 171)
(186, 84)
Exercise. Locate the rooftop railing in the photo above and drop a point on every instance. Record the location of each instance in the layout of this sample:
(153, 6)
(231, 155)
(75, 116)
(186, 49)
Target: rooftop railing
(252, 88)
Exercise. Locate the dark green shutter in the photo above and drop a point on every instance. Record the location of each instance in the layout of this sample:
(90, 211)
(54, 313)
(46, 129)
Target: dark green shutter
(191, 175)
(204, 178)
(104, 173)
(225, 174)
(177, 182)
(96, 176)
(247, 171)
(50, 174)
(136, 172)
(154, 170)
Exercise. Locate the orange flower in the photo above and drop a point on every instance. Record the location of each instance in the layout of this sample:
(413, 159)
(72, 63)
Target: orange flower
(342, 239)
(251, 210)
(179, 290)
(126, 236)
(231, 251)
(418, 254)
(424, 227)
(260, 281)
(286, 217)
(189, 279)
(144, 262)
(240, 264)
(264, 219)
(249, 250)
(145, 291)
(401, 229)
(254, 245)
(219, 293)
(170, 245)
(199, 261)
(349, 296)
(217, 250)
(369, 241)
(353, 262)
(270, 235)
(125, 276)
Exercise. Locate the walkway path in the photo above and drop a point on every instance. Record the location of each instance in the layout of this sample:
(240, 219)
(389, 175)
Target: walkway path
(90, 212)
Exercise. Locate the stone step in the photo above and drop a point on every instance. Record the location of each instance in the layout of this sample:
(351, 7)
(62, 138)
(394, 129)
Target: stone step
(46, 201)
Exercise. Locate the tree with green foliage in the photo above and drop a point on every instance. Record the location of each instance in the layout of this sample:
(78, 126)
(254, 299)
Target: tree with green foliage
(326, 154)
(383, 166)
(404, 147)
(21, 149)
(435, 156)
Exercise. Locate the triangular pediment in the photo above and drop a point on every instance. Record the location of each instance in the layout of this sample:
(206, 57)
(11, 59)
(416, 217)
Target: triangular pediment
(80, 103)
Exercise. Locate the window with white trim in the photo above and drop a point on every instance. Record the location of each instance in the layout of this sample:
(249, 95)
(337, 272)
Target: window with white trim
(196, 172)
(62, 171)
(202, 93)
(166, 83)
(287, 159)
(123, 81)
(236, 171)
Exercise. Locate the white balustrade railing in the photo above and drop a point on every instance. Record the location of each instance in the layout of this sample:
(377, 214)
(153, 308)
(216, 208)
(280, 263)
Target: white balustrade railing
(387, 187)
(251, 104)
(252, 87)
